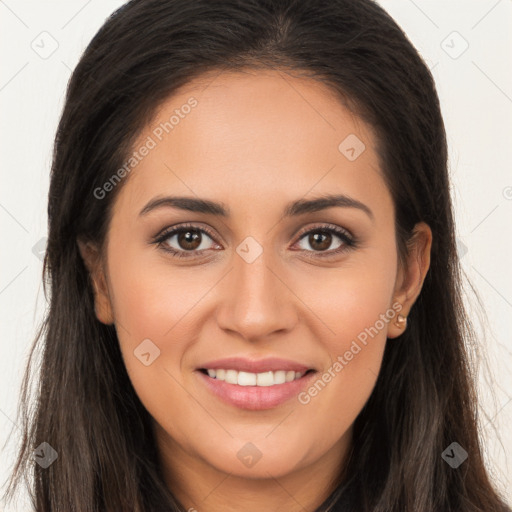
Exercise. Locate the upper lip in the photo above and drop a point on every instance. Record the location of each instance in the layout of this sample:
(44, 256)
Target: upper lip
(255, 366)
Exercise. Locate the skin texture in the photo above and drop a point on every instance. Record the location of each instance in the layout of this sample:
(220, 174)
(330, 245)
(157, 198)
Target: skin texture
(254, 142)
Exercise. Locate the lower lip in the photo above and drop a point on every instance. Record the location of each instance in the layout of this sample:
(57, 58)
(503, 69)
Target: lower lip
(255, 398)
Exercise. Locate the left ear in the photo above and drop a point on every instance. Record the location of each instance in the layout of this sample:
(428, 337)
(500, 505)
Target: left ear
(410, 279)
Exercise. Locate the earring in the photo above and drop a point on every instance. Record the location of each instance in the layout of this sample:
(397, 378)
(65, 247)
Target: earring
(401, 322)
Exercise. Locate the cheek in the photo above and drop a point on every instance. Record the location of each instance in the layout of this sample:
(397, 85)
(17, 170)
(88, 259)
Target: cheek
(151, 297)
(154, 306)
(352, 299)
(354, 306)
(343, 386)
(153, 302)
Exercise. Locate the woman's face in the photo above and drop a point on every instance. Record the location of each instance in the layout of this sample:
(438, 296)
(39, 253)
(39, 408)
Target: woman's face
(258, 274)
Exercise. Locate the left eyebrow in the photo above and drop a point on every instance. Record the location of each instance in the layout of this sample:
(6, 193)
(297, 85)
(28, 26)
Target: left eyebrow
(295, 208)
(322, 203)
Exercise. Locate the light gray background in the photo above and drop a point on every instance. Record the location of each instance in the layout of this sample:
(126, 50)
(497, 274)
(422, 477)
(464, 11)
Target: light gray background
(475, 88)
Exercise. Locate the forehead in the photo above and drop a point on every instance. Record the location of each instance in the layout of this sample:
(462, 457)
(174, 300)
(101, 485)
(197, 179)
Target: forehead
(263, 133)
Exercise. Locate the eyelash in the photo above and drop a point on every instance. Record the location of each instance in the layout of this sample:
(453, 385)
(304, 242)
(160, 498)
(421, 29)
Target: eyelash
(349, 241)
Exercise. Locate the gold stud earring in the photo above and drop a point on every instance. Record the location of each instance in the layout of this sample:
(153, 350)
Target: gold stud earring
(401, 322)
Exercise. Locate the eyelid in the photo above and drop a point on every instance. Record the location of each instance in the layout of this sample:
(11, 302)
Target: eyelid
(172, 230)
(326, 226)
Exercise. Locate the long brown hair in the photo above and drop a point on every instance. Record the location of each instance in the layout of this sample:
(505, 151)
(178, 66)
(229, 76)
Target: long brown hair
(86, 407)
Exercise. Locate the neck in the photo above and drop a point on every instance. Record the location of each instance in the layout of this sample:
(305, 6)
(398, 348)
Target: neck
(202, 487)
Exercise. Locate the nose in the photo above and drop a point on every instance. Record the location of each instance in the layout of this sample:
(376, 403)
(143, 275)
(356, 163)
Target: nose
(256, 300)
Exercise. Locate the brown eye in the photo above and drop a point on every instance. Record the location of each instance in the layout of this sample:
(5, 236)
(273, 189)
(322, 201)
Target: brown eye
(189, 240)
(320, 241)
(326, 240)
(186, 241)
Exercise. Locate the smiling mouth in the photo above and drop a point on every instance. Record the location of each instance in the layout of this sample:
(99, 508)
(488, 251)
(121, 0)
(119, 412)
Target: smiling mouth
(263, 379)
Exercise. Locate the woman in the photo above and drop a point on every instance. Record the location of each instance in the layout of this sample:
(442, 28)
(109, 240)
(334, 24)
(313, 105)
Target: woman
(255, 291)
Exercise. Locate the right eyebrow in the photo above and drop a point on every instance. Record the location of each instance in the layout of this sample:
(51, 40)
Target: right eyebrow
(190, 204)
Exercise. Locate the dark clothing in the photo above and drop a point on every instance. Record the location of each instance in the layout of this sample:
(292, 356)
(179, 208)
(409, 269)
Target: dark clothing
(343, 499)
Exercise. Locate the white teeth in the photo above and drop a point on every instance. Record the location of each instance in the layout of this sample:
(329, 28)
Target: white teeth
(246, 379)
(255, 379)
(231, 377)
(266, 379)
(280, 377)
